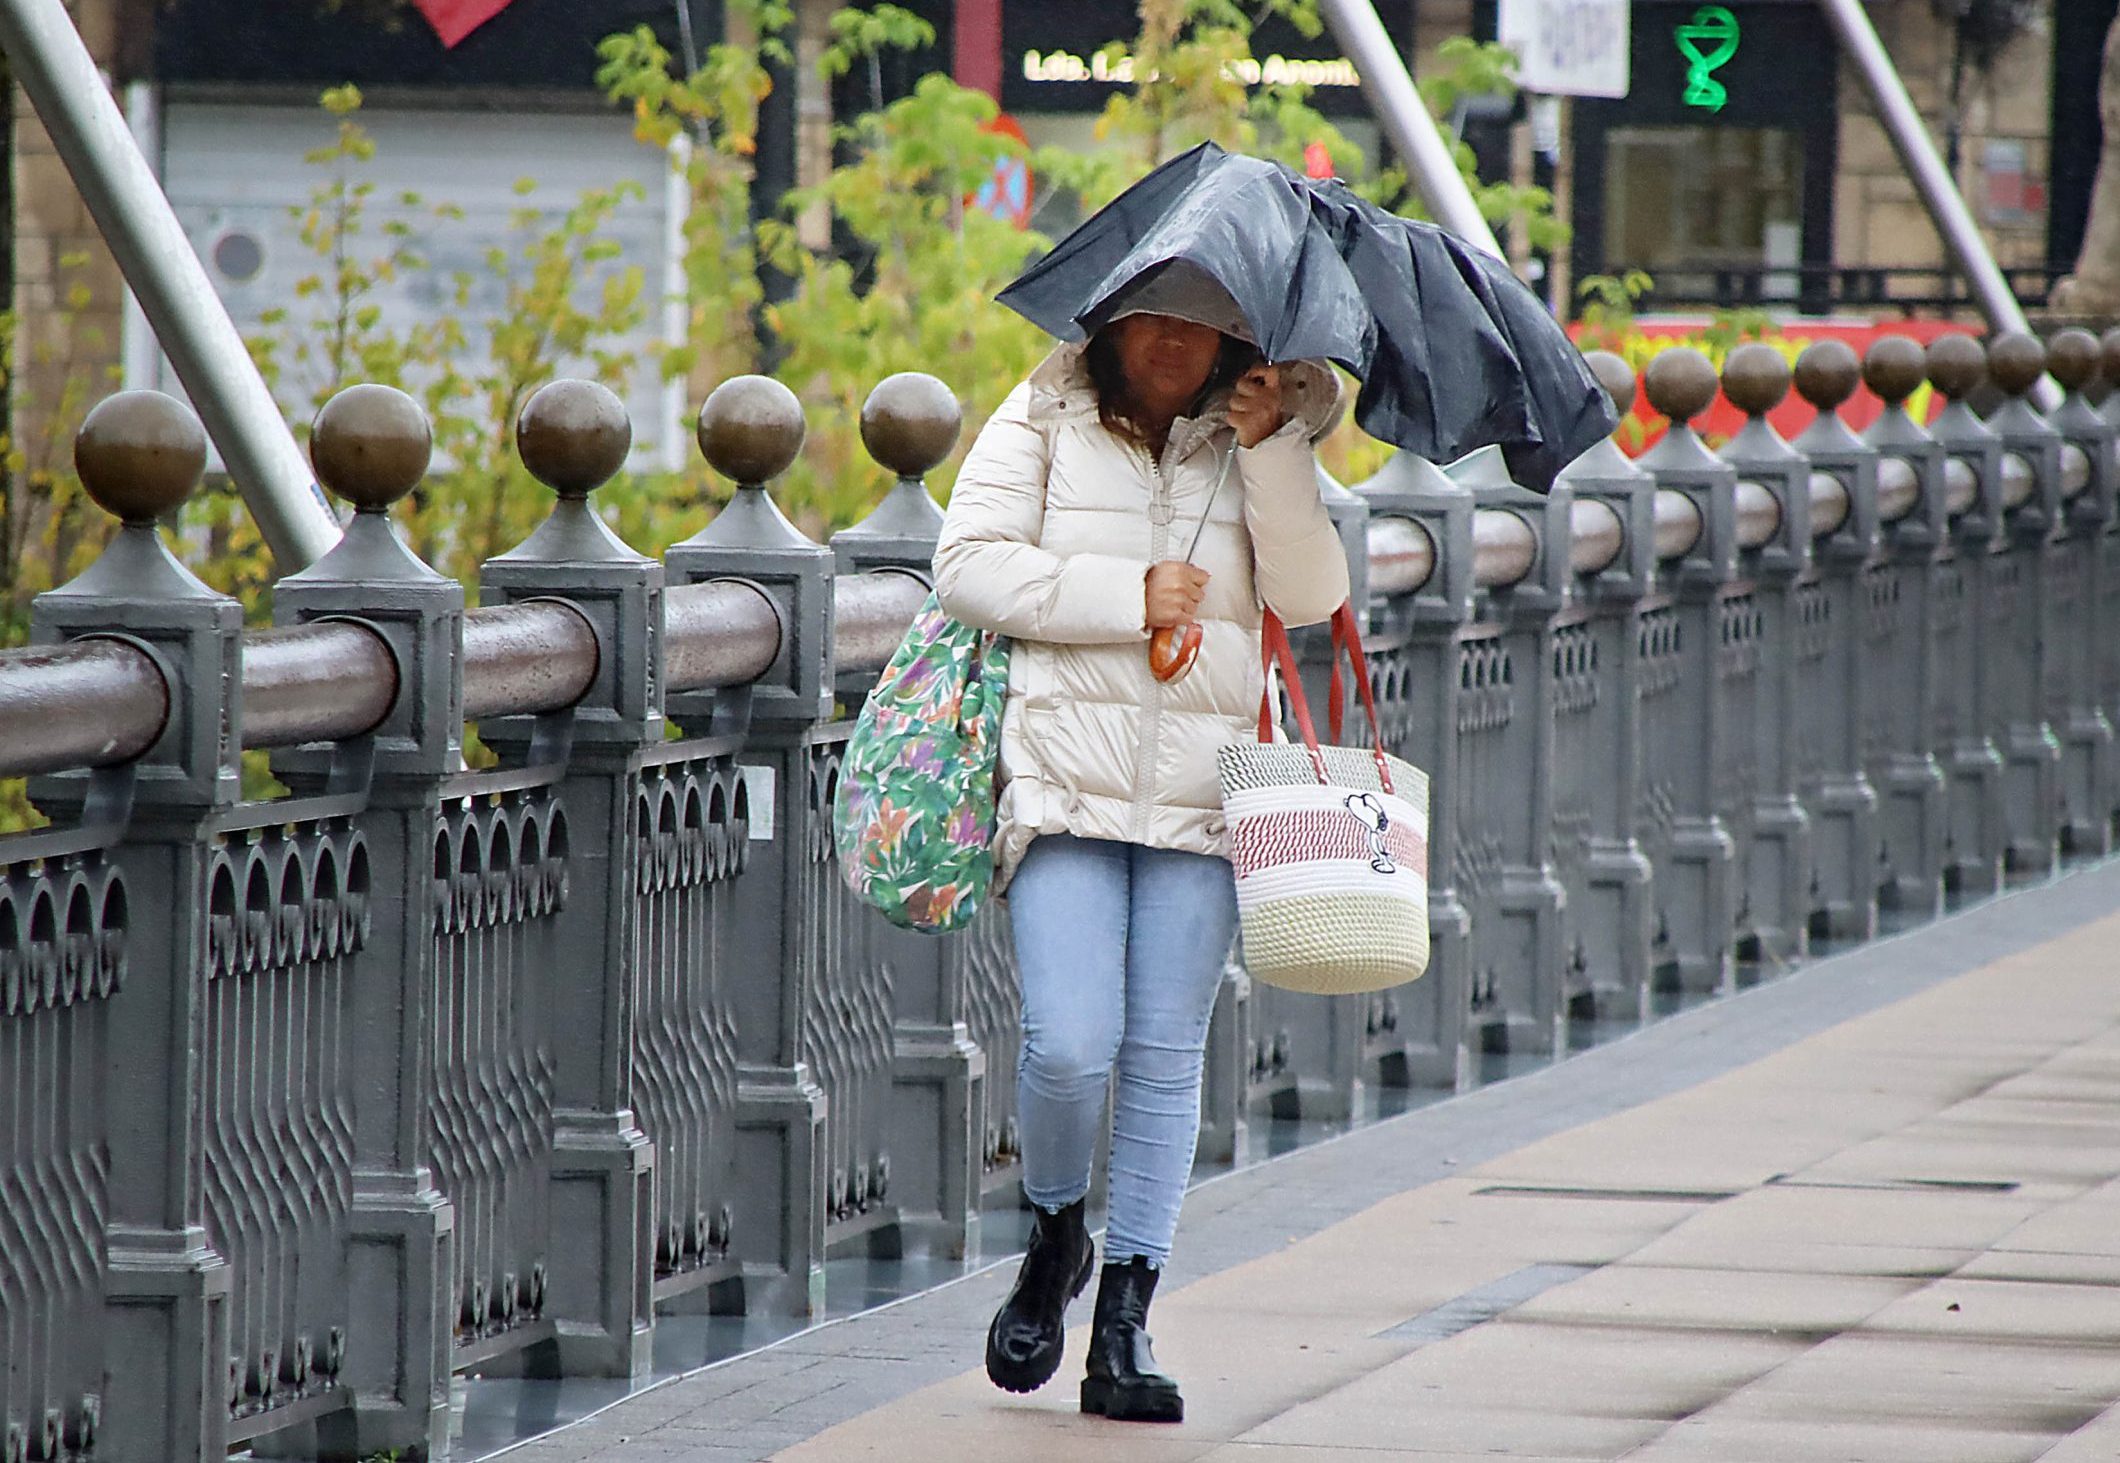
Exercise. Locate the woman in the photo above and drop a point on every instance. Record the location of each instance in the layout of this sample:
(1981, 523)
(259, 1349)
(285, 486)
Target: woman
(1069, 532)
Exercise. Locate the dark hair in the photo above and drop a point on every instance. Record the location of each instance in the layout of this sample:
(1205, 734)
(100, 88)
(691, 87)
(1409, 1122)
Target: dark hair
(1108, 379)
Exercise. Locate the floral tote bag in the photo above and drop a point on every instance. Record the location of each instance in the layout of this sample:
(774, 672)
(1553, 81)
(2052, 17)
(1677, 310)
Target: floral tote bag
(914, 813)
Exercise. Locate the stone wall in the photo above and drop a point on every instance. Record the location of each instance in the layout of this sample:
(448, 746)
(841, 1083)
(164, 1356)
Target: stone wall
(69, 297)
(1877, 216)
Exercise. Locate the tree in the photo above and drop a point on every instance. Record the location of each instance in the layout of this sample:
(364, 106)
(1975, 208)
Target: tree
(2094, 286)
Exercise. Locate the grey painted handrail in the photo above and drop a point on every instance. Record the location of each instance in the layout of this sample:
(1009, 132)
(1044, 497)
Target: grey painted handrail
(537, 655)
(315, 683)
(721, 633)
(1401, 556)
(92, 702)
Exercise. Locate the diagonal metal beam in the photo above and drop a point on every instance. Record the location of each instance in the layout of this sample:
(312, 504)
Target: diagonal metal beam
(76, 107)
(1404, 117)
(1931, 179)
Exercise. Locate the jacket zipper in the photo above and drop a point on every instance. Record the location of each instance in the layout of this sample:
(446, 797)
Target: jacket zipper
(1152, 709)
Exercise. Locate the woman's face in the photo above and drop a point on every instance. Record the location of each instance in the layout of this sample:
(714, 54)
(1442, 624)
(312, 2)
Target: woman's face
(1165, 360)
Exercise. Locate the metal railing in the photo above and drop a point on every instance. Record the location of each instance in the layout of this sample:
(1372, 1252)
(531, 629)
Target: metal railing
(311, 1103)
(1819, 289)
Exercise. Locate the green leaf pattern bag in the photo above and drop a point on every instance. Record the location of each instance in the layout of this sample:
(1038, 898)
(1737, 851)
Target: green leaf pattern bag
(914, 813)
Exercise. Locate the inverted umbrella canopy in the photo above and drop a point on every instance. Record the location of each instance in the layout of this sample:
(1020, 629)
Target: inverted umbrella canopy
(1452, 350)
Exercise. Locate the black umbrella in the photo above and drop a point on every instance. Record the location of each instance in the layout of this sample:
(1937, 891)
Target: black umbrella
(1453, 351)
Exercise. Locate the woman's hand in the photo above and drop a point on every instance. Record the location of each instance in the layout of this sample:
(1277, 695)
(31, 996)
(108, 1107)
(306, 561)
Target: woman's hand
(1255, 406)
(1174, 593)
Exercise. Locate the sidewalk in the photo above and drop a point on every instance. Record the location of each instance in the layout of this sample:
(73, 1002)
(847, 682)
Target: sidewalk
(1869, 1211)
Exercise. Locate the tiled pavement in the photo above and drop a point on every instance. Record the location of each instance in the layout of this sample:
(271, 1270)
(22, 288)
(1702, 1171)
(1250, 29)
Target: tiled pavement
(1870, 1211)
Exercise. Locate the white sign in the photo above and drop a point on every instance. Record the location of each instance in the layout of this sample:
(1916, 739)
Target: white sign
(1572, 48)
(758, 784)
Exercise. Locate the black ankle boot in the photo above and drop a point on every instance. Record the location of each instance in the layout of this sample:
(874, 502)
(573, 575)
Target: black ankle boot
(1023, 1345)
(1123, 1382)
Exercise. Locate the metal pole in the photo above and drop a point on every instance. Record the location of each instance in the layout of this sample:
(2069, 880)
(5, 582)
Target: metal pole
(135, 218)
(1404, 117)
(1931, 179)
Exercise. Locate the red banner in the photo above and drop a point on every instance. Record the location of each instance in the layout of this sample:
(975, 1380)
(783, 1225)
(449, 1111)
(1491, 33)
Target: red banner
(1651, 334)
(454, 19)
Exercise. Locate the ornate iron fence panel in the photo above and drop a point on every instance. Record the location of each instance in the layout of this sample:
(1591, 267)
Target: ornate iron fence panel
(1740, 628)
(1680, 890)
(1487, 708)
(500, 872)
(2108, 646)
(2074, 703)
(1815, 737)
(2016, 709)
(1898, 720)
(691, 838)
(982, 962)
(1579, 765)
(287, 910)
(62, 955)
(847, 1018)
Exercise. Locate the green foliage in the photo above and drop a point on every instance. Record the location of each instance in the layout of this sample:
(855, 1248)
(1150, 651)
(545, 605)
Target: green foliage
(890, 271)
(49, 530)
(1729, 328)
(1607, 314)
(916, 299)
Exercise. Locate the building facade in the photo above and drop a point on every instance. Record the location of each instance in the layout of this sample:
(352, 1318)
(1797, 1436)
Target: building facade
(1784, 193)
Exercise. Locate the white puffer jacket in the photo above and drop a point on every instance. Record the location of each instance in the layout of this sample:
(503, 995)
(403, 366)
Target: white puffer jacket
(1050, 534)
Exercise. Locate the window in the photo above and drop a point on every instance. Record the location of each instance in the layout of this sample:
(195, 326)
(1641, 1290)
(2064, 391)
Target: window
(1684, 201)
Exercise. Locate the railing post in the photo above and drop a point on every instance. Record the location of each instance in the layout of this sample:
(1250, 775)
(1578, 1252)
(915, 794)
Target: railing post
(1774, 849)
(573, 436)
(1833, 717)
(1420, 641)
(939, 1098)
(2089, 770)
(1975, 624)
(1903, 632)
(750, 429)
(1598, 729)
(371, 446)
(1702, 635)
(1505, 768)
(2034, 580)
(164, 1338)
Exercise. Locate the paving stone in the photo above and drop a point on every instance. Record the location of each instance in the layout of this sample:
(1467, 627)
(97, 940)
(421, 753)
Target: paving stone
(1763, 1282)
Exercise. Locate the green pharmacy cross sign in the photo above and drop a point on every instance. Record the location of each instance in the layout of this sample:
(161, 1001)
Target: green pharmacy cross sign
(1707, 41)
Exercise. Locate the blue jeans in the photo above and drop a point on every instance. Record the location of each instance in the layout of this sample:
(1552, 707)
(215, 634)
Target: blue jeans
(1121, 949)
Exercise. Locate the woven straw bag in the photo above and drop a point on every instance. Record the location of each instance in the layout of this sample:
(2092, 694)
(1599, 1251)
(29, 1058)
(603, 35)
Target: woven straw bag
(1329, 843)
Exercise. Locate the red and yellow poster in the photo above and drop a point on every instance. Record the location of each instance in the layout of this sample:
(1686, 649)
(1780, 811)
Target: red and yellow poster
(1651, 334)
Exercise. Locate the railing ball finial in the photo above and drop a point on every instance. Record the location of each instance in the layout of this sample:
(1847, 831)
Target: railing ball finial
(573, 436)
(1956, 364)
(1827, 374)
(1755, 378)
(1894, 368)
(1680, 383)
(1616, 376)
(910, 422)
(140, 454)
(750, 429)
(2016, 361)
(371, 446)
(2072, 355)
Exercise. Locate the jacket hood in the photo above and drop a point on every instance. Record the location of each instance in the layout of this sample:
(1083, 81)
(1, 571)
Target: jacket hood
(1310, 391)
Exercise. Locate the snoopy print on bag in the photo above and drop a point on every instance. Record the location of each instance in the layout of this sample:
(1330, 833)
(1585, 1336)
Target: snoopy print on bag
(1370, 809)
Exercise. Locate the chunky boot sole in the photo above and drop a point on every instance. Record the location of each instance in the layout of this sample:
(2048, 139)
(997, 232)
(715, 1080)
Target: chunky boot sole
(1105, 1398)
(1029, 1376)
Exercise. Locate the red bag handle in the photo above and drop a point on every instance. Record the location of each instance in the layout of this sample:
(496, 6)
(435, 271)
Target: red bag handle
(1347, 638)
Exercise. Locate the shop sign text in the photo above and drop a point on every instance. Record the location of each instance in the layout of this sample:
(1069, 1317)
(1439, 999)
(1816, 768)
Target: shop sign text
(1117, 68)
